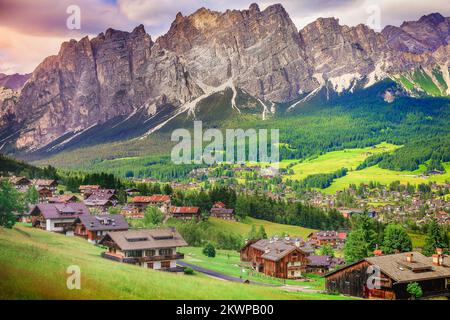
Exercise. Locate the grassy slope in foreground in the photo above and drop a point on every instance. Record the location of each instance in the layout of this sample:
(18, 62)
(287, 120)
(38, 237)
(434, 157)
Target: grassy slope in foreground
(243, 228)
(33, 265)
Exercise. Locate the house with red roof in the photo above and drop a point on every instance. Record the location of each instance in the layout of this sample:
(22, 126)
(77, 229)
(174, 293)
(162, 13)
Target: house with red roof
(185, 213)
(138, 204)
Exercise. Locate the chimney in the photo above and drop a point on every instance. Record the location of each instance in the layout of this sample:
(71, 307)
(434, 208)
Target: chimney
(438, 258)
(409, 257)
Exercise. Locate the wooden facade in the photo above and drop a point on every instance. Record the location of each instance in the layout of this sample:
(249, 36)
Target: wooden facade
(355, 280)
(288, 265)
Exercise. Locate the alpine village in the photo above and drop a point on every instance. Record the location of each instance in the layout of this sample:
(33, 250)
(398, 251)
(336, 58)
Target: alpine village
(357, 208)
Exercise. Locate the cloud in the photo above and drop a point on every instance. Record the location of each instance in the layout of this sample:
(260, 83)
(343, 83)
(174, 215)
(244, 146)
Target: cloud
(31, 30)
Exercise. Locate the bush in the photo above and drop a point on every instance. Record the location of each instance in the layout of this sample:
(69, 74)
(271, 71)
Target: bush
(188, 271)
(414, 290)
(209, 250)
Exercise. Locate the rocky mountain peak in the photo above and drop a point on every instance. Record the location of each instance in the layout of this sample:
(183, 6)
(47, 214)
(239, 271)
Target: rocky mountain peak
(254, 9)
(433, 18)
(119, 75)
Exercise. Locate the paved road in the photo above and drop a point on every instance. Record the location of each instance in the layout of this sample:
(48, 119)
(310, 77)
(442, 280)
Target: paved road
(221, 276)
(225, 277)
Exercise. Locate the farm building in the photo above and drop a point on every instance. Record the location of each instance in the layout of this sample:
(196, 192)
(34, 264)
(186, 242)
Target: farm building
(154, 249)
(396, 272)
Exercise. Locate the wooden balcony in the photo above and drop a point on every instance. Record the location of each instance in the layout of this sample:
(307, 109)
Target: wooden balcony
(176, 256)
(120, 258)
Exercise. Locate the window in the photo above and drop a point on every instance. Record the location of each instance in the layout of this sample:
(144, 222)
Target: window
(134, 253)
(165, 264)
(150, 265)
(149, 253)
(165, 252)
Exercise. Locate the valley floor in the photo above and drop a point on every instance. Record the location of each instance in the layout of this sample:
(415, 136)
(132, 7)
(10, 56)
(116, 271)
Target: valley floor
(33, 265)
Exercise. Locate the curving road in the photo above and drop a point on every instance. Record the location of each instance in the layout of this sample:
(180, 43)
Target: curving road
(221, 276)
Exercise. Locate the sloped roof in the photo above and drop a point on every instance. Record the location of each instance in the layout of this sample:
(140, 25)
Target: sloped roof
(44, 182)
(60, 210)
(63, 198)
(146, 239)
(149, 199)
(184, 210)
(221, 211)
(89, 187)
(275, 250)
(324, 261)
(104, 222)
(397, 268)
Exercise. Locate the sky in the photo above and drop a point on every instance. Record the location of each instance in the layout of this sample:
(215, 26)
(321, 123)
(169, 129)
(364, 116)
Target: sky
(32, 30)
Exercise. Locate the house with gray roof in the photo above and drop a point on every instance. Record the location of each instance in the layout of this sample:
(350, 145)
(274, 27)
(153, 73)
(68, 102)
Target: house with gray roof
(94, 228)
(57, 217)
(150, 248)
(387, 277)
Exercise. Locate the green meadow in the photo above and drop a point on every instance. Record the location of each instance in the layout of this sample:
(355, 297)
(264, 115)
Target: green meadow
(228, 262)
(385, 176)
(243, 228)
(333, 161)
(33, 265)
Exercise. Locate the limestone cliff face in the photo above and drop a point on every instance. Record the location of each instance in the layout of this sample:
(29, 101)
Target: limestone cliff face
(118, 74)
(427, 34)
(92, 81)
(341, 54)
(261, 51)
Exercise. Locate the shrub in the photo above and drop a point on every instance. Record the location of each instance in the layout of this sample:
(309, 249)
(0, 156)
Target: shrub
(209, 250)
(188, 271)
(414, 290)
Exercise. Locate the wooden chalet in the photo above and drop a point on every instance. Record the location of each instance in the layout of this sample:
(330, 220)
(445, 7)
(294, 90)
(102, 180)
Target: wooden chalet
(185, 213)
(332, 238)
(154, 249)
(65, 198)
(140, 203)
(132, 192)
(20, 183)
(56, 217)
(87, 190)
(101, 200)
(396, 272)
(94, 228)
(323, 264)
(348, 213)
(101, 205)
(132, 212)
(280, 258)
(44, 193)
(220, 211)
(44, 183)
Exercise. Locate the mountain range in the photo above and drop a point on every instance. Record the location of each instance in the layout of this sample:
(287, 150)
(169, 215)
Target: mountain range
(124, 85)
